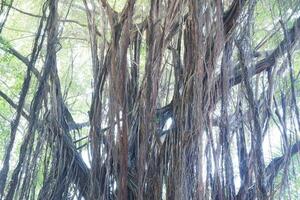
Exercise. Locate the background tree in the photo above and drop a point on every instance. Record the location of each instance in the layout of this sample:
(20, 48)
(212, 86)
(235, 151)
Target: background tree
(160, 99)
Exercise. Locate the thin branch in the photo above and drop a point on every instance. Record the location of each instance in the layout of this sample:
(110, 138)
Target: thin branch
(13, 104)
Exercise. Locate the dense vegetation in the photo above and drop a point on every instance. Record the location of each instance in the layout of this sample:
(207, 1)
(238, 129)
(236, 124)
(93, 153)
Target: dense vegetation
(160, 99)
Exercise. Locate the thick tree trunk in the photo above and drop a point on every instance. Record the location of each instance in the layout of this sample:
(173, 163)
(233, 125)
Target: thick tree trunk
(130, 159)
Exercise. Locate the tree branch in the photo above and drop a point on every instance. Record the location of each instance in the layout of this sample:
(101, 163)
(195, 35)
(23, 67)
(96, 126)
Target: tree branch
(39, 16)
(231, 16)
(292, 38)
(277, 163)
(13, 104)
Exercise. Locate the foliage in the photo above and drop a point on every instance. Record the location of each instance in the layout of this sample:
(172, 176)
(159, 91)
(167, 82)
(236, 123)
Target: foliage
(110, 76)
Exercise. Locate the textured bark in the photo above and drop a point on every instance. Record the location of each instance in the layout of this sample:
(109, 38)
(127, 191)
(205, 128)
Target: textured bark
(214, 102)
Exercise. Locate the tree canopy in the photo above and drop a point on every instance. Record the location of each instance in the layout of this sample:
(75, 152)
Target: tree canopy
(157, 99)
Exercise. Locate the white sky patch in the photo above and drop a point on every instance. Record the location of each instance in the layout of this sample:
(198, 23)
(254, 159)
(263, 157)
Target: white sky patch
(86, 157)
(168, 124)
(271, 144)
(2, 18)
(89, 5)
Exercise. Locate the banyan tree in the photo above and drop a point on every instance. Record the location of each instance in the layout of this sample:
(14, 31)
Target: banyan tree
(149, 99)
